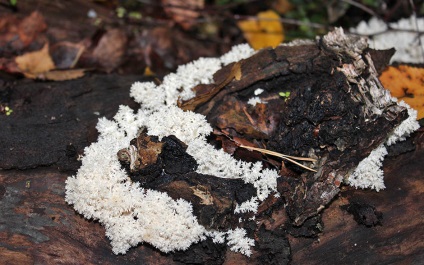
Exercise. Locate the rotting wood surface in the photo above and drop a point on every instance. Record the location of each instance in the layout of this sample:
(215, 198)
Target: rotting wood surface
(37, 226)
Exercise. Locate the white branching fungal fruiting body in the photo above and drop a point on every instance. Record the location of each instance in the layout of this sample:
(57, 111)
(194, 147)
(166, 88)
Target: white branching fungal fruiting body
(101, 189)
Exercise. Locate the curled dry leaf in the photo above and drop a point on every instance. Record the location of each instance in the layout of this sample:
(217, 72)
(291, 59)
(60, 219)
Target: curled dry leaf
(66, 54)
(33, 63)
(234, 115)
(40, 65)
(111, 48)
(184, 13)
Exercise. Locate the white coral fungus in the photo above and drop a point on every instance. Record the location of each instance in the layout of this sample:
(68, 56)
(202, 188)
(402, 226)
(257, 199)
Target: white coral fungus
(368, 173)
(102, 191)
(238, 241)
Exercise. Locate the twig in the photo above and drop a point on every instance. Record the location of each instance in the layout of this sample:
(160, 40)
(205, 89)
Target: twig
(286, 157)
(361, 6)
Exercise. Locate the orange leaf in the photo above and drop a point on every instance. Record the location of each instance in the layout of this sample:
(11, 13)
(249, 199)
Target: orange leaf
(407, 84)
(266, 31)
(33, 63)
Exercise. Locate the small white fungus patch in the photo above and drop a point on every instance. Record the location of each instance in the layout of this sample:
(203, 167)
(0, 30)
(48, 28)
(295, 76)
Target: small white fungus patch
(368, 173)
(254, 100)
(406, 42)
(247, 206)
(238, 241)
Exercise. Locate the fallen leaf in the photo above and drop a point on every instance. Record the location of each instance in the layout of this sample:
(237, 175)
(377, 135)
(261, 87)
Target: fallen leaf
(234, 115)
(265, 31)
(183, 12)
(62, 75)
(381, 58)
(111, 49)
(31, 26)
(9, 66)
(406, 83)
(16, 34)
(33, 63)
(66, 54)
(282, 6)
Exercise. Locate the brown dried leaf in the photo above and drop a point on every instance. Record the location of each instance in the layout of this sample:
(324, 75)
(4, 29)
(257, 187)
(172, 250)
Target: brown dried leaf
(111, 49)
(31, 26)
(15, 34)
(62, 75)
(33, 63)
(66, 54)
(261, 119)
(235, 116)
(184, 12)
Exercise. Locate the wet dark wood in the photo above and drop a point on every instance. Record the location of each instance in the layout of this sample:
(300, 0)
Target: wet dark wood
(329, 113)
(398, 240)
(52, 122)
(40, 142)
(37, 226)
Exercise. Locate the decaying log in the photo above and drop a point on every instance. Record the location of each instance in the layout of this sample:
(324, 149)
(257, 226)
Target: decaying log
(335, 103)
(332, 104)
(37, 226)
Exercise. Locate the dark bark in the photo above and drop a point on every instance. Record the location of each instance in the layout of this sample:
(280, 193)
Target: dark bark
(334, 106)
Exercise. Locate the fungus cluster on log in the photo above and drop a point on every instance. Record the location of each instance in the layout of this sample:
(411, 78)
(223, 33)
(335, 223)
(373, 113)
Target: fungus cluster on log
(174, 176)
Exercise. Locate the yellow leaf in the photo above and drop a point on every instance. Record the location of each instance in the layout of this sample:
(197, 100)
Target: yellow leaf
(407, 84)
(265, 31)
(34, 63)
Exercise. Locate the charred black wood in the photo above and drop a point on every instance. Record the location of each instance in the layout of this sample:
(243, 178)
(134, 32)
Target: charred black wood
(165, 166)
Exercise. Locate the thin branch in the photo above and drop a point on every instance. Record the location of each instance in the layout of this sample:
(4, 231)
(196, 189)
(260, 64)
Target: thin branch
(286, 157)
(362, 7)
